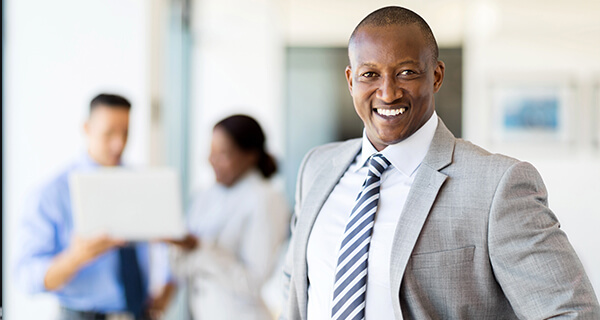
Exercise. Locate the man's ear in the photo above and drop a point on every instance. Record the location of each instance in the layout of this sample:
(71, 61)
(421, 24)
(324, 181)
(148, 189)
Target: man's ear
(86, 127)
(349, 78)
(438, 76)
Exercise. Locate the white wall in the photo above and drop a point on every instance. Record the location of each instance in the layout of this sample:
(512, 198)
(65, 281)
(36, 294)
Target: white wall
(538, 40)
(330, 23)
(59, 55)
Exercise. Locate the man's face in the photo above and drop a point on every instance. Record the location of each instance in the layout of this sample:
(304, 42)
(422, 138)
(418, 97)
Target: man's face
(392, 80)
(106, 130)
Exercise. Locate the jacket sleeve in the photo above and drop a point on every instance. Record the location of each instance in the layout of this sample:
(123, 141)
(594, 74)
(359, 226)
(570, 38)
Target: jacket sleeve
(289, 302)
(531, 256)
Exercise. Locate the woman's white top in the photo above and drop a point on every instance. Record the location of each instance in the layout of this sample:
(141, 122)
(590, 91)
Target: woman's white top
(241, 229)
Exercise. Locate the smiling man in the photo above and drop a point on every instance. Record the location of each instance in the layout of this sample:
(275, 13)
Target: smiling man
(410, 222)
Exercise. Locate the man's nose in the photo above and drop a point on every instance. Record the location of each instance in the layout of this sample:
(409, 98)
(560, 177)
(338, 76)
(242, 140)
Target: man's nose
(389, 90)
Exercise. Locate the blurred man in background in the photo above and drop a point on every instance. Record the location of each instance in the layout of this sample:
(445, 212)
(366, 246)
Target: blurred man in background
(93, 277)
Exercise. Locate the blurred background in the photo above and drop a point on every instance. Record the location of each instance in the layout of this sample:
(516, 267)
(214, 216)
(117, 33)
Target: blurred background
(185, 64)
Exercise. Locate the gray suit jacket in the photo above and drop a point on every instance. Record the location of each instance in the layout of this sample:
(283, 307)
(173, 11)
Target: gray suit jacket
(475, 240)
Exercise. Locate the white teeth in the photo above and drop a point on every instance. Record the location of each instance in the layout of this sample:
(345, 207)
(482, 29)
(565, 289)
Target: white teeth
(391, 112)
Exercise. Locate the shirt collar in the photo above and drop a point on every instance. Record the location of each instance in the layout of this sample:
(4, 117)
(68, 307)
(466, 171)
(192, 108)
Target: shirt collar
(251, 177)
(406, 155)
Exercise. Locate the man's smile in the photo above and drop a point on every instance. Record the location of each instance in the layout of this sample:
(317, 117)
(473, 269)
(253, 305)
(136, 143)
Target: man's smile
(390, 113)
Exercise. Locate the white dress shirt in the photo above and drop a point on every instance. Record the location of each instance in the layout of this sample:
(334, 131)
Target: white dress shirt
(241, 229)
(328, 230)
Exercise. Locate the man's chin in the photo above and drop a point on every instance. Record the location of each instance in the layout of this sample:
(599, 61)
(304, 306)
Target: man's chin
(386, 140)
(112, 162)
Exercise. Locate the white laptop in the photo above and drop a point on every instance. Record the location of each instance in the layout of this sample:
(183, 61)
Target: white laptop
(127, 204)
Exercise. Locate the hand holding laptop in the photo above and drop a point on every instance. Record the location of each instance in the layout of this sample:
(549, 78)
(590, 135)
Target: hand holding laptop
(189, 242)
(86, 249)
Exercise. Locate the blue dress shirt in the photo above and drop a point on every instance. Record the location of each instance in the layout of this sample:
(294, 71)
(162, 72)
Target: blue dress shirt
(46, 229)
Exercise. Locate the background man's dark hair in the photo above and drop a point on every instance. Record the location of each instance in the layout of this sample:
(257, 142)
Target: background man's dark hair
(110, 100)
(248, 136)
(388, 16)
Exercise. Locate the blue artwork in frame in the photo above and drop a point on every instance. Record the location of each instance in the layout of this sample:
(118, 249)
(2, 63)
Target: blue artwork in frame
(530, 113)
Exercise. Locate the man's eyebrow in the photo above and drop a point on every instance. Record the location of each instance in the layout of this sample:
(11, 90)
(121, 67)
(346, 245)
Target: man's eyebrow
(374, 65)
(368, 64)
(415, 62)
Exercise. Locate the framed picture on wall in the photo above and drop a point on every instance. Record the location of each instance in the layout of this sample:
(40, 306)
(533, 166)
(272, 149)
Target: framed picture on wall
(531, 111)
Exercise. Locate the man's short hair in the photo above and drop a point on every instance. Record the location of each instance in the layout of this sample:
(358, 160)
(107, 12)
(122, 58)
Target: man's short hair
(111, 101)
(389, 16)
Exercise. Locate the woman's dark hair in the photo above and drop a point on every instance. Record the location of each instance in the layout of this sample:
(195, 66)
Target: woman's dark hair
(248, 136)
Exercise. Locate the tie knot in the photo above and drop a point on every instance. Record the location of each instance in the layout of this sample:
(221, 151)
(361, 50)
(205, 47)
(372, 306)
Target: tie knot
(378, 164)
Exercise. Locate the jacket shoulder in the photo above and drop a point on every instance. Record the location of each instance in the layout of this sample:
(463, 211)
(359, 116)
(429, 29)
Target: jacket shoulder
(320, 155)
(467, 153)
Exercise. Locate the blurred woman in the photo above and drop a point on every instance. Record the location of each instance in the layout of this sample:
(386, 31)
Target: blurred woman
(236, 227)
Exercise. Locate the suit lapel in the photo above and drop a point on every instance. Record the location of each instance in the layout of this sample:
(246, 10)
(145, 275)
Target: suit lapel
(325, 181)
(421, 197)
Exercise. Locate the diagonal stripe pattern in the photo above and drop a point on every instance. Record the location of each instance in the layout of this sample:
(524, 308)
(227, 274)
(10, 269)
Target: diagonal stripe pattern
(349, 289)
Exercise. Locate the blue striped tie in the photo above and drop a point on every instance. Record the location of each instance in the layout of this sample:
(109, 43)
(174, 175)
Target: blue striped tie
(350, 285)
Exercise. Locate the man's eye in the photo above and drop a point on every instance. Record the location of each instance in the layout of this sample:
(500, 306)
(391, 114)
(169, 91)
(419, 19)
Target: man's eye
(369, 74)
(407, 73)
